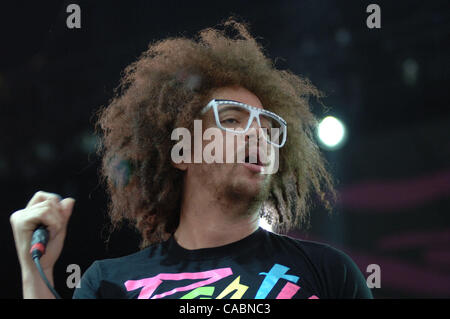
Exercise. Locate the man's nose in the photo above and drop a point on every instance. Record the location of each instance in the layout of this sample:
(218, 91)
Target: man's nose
(253, 128)
(254, 131)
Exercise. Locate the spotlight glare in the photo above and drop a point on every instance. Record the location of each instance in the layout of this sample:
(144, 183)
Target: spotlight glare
(264, 224)
(331, 132)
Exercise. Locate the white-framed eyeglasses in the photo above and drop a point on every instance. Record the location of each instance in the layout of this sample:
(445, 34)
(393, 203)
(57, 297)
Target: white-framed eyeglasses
(236, 117)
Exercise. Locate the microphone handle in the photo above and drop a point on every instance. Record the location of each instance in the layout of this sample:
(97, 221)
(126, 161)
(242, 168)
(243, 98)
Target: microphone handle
(39, 241)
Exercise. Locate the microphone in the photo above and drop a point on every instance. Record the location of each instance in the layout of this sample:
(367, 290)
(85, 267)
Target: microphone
(39, 241)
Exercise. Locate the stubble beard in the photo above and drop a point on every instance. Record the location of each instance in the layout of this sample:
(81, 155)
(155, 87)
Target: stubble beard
(235, 193)
(251, 196)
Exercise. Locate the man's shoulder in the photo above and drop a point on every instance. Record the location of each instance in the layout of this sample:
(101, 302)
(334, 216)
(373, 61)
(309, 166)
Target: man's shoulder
(337, 269)
(319, 251)
(310, 246)
(126, 258)
(141, 256)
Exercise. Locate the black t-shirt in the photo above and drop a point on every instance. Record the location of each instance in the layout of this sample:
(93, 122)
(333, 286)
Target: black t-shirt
(263, 265)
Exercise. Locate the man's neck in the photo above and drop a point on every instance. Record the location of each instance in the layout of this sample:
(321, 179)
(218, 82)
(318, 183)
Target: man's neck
(208, 220)
(207, 235)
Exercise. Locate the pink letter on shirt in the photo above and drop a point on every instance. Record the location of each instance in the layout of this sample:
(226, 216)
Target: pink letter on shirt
(288, 291)
(150, 284)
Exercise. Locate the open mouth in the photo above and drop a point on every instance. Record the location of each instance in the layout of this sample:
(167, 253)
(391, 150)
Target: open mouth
(254, 163)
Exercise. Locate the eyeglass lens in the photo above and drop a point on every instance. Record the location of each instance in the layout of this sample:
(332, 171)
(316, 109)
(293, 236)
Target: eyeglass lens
(237, 118)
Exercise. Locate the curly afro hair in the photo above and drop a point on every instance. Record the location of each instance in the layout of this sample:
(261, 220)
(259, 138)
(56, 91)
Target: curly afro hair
(166, 88)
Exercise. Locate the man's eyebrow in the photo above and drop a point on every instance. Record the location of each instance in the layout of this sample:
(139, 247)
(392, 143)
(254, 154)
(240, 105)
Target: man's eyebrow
(232, 108)
(221, 100)
(228, 100)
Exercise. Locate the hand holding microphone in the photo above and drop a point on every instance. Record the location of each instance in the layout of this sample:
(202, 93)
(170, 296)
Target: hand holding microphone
(47, 214)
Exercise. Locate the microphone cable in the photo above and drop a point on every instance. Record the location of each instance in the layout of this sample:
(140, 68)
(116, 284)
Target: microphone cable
(38, 243)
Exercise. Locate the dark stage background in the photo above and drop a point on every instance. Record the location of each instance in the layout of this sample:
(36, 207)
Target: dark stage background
(390, 86)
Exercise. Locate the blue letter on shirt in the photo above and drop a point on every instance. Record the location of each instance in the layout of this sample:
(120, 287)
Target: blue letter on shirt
(278, 271)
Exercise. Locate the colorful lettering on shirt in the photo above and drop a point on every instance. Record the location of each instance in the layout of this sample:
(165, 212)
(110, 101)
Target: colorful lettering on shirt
(200, 291)
(203, 290)
(149, 285)
(288, 291)
(234, 286)
(277, 272)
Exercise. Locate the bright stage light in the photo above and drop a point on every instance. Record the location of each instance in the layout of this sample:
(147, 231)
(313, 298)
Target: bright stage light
(331, 132)
(264, 224)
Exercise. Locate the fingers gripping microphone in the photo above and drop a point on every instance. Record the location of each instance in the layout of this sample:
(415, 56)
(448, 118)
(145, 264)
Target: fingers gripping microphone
(39, 241)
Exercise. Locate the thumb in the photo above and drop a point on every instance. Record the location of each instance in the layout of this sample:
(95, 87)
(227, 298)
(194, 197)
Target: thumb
(67, 206)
